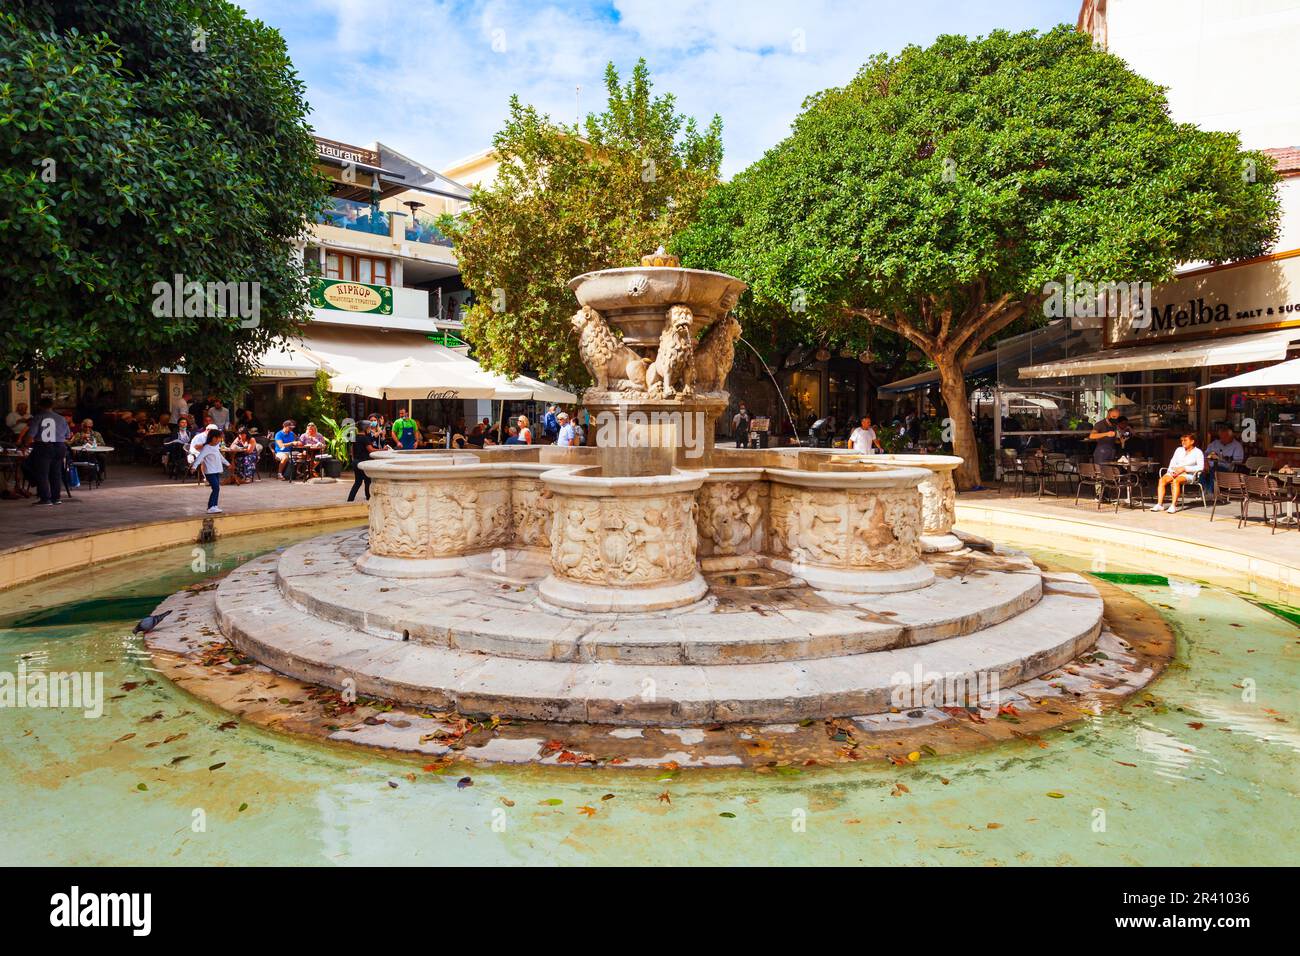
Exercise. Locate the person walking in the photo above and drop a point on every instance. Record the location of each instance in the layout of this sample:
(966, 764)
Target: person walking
(208, 457)
(740, 426)
(864, 440)
(49, 434)
(367, 441)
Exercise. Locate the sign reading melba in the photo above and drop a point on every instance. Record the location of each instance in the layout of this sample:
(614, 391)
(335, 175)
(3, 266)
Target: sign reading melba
(1250, 296)
(349, 296)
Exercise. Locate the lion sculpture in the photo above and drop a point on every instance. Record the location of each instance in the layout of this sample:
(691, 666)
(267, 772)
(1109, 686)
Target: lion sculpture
(670, 374)
(613, 365)
(715, 353)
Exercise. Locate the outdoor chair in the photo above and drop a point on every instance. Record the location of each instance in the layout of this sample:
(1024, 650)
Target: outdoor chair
(87, 472)
(1122, 481)
(1229, 486)
(1064, 471)
(1013, 472)
(1258, 464)
(1193, 484)
(1264, 490)
(1090, 475)
(1037, 472)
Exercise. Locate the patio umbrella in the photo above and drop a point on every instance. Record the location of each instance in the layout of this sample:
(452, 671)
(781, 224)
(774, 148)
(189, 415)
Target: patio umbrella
(1283, 373)
(410, 380)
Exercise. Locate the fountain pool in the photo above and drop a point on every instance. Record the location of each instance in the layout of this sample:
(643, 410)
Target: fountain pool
(1171, 793)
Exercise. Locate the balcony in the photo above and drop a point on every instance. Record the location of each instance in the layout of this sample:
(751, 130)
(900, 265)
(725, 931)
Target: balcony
(356, 217)
(425, 229)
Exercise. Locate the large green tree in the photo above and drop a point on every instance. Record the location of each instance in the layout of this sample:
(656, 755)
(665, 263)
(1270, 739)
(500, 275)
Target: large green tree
(145, 139)
(569, 199)
(938, 193)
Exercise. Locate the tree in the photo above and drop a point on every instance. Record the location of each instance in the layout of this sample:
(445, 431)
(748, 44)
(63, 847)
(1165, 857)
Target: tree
(145, 140)
(568, 200)
(938, 193)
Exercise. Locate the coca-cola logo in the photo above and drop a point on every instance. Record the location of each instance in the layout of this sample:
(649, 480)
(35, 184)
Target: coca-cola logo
(442, 394)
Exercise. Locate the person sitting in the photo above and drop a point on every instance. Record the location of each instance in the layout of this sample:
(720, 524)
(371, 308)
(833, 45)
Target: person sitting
(176, 447)
(1224, 454)
(476, 436)
(219, 414)
(16, 421)
(312, 444)
(283, 443)
(512, 436)
(244, 452)
(87, 437)
(1186, 465)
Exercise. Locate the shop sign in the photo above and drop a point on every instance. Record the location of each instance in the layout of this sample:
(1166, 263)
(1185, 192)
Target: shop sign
(348, 296)
(1251, 296)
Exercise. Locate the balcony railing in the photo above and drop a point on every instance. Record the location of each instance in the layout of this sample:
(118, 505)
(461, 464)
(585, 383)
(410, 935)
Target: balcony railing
(357, 216)
(425, 229)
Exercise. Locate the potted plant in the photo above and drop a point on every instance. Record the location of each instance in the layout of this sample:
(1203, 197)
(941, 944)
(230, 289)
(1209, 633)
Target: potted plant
(337, 439)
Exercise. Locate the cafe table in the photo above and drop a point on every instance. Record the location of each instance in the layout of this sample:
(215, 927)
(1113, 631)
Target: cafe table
(1289, 483)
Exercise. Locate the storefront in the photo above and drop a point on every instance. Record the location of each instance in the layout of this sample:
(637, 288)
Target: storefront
(1208, 324)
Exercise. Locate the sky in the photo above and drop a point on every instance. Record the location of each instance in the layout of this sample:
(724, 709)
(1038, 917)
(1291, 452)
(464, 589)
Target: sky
(433, 79)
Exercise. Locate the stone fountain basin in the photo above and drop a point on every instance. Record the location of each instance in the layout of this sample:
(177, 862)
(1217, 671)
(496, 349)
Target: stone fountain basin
(636, 299)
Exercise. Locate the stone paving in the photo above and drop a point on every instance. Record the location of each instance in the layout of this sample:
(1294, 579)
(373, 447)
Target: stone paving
(137, 494)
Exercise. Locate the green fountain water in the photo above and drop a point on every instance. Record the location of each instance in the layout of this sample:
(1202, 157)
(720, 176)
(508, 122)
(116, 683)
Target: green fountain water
(76, 792)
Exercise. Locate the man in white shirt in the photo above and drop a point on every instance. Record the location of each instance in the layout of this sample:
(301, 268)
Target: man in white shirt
(17, 417)
(220, 414)
(1224, 453)
(1186, 465)
(568, 434)
(863, 439)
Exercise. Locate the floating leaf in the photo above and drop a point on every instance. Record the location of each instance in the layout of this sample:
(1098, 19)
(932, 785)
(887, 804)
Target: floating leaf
(464, 782)
(242, 808)
(728, 814)
(1195, 724)
(507, 801)
(608, 796)
(587, 811)
(550, 802)
(141, 786)
(123, 737)
(217, 766)
(1055, 795)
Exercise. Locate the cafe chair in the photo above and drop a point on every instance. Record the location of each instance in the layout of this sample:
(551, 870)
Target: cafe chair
(1013, 473)
(1090, 475)
(1262, 489)
(1259, 465)
(1193, 484)
(1123, 482)
(1229, 486)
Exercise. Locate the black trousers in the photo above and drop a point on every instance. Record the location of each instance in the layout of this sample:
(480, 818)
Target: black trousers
(47, 468)
(356, 483)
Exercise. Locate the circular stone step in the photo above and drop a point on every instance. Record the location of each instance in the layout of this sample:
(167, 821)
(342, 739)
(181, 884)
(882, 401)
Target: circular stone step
(253, 613)
(752, 616)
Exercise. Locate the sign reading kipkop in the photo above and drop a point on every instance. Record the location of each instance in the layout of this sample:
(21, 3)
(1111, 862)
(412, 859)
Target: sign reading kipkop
(346, 296)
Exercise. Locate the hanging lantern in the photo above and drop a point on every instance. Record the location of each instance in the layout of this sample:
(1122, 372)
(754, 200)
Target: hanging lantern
(866, 356)
(823, 355)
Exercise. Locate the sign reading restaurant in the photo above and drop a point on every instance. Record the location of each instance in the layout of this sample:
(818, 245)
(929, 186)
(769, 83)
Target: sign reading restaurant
(1254, 295)
(347, 296)
(343, 153)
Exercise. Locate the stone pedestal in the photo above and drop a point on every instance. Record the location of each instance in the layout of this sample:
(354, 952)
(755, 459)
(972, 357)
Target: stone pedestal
(938, 498)
(851, 531)
(632, 428)
(622, 544)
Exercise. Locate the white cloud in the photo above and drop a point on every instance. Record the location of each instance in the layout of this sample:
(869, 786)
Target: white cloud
(433, 78)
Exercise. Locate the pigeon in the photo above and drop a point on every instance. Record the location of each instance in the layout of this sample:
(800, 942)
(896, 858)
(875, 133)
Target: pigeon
(147, 624)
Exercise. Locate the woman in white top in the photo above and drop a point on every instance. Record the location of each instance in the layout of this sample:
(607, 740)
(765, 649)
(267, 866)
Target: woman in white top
(1186, 465)
(207, 456)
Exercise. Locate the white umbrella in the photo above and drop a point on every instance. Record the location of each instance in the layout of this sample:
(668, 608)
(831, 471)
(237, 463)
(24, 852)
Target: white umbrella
(1283, 373)
(411, 380)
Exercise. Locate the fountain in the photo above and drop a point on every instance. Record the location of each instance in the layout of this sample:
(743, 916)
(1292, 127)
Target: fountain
(655, 578)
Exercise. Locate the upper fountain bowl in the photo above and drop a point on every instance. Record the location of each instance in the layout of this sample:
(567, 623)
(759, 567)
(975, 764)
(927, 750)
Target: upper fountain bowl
(636, 299)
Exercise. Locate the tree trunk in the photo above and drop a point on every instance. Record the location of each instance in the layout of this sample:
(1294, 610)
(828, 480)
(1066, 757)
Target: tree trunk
(952, 385)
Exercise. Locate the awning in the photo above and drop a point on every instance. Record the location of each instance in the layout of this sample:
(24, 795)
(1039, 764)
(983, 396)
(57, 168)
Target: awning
(1284, 373)
(1008, 351)
(1202, 353)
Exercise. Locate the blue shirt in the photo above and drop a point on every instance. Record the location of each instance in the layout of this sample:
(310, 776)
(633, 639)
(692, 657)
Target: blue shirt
(567, 434)
(283, 439)
(49, 428)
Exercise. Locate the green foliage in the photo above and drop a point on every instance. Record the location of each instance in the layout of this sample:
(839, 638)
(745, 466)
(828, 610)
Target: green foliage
(936, 194)
(321, 403)
(568, 200)
(338, 438)
(142, 139)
